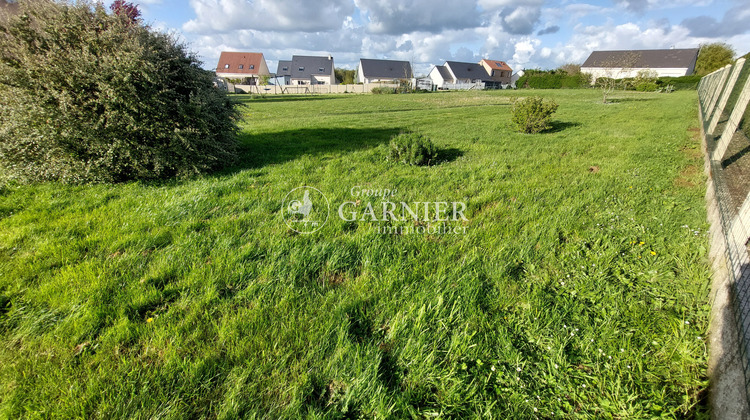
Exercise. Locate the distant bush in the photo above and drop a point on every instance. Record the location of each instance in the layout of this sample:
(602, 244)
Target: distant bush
(553, 79)
(533, 114)
(680, 83)
(651, 85)
(412, 149)
(646, 87)
(89, 96)
(383, 90)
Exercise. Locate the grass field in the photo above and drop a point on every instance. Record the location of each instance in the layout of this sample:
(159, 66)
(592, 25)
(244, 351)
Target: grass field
(580, 288)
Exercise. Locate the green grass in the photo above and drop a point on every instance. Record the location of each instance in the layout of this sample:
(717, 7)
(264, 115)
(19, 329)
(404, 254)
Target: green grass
(579, 289)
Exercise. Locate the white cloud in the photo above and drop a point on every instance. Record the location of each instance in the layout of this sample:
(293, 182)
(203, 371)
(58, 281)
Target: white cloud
(274, 15)
(524, 50)
(426, 33)
(520, 20)
(734, 22)
(399, 17)
(640, 6)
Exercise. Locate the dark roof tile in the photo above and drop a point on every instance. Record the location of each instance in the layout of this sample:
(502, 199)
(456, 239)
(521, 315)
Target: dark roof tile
(655, 59)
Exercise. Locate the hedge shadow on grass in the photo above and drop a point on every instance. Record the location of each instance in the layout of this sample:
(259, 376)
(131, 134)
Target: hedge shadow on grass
(559, 126)
(631, 99)
(249, 98)
(448, 154)
(272, 148)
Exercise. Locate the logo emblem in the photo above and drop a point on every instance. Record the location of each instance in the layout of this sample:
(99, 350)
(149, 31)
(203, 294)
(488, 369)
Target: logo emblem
(305, 210)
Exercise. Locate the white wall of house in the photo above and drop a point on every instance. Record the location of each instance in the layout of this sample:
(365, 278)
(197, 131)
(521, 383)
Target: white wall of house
(436, 77)
(517, 75)
(620, 73)
(324, 80)
(361, 74)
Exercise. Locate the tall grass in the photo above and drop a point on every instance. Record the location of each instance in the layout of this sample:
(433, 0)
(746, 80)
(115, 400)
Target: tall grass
(579, 289)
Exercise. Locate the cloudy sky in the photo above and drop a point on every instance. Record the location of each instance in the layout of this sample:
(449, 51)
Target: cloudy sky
(524, 33)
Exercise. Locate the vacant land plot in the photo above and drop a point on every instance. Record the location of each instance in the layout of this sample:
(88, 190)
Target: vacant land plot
(579, 287)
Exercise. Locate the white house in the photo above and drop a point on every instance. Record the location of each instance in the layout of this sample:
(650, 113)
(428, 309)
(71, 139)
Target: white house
(628, 63)
(486, 73)
(440, 76)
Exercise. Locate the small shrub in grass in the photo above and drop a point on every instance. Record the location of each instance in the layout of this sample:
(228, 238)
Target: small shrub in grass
(93, 96)
(646, 87)
(533, 114)
(412, 149)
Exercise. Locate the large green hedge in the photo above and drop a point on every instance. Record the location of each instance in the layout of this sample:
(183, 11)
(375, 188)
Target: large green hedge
(91, 96)
(552, 79)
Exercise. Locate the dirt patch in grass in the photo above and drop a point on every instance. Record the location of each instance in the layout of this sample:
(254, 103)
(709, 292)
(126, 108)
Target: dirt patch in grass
(690, 176)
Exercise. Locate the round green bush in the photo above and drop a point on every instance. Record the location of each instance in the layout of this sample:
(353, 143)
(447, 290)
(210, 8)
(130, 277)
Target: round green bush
(412, 149)
(646, 87)
(532, 114)
(92, 96)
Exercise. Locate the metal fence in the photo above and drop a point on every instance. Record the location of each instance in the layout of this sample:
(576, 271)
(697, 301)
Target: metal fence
(723, 97)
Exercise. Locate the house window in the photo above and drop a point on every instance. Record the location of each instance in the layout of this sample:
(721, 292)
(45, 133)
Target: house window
(252, 66)
(226, 66)
(321, 69)
(242, 66)
(301, 69)
(284, 68)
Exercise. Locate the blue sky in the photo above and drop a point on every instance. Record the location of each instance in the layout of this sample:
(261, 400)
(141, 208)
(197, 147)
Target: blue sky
(524, 33)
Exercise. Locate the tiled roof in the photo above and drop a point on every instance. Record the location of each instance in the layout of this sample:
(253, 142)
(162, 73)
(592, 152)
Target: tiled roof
(284, 68)
(239, 62)
(444, 73)
(498, 65)
(655, 59)
(386, 68)
(471, 71)
(303, 66)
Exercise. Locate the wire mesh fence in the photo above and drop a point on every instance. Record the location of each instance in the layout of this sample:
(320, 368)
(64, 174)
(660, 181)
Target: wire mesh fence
(724, 96)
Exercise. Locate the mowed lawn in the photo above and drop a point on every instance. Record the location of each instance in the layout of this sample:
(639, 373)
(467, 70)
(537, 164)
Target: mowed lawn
(580, 288)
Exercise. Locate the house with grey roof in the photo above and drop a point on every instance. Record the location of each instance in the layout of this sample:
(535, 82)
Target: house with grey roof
(456, 74)
(307, 70)
(440, 76)
(284, 72)
(376, 71)
(628, 63)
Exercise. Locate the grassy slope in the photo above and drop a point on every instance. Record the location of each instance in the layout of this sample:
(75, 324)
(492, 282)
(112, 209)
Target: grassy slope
(576, 290)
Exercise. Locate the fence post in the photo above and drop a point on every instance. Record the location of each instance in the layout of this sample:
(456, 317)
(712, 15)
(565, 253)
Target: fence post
(725, 95)
(734, 122)
(719, 88)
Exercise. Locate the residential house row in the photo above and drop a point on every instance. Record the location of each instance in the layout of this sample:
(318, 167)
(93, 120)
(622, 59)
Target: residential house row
(249, 68)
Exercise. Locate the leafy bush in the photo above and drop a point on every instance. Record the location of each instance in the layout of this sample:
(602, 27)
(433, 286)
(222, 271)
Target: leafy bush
(382, 90)
(412, 149)
(646, 87)
(680, 83)
(95, 97)
(533, 114)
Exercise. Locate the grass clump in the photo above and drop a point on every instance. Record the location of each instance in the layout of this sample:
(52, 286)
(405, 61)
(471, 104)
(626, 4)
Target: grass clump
(532, 115)
(412, 149)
